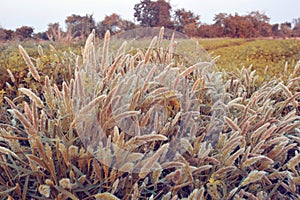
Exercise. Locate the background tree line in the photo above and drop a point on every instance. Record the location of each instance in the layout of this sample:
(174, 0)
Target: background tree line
(159, 13)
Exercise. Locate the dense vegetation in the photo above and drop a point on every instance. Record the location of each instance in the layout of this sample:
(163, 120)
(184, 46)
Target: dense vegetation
(91, 124)
(234, 54)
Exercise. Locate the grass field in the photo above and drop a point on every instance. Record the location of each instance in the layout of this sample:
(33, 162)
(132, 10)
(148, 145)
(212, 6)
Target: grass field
(236, 53)
(78, 123)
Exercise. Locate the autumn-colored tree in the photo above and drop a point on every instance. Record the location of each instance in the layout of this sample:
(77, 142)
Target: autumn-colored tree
(5, 34)
(153, 13)
(296, 29)
(186, 22)
(114, 23)
(23, 32)
(210, 31)
(286, 29)
(219, 19)
(80, 26)
(260, 23)
(255, 24)
(239, 27)
(275, 30)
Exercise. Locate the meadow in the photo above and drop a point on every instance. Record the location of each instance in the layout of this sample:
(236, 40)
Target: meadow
(260, 53)
(87, 122)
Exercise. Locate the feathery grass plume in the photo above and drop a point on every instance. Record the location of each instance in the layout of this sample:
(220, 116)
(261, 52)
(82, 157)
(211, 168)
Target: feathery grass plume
(156, 173)
(88, 45)
(149, 50)
(289, 94)
(167, 196)
(32, 96)
(104, 59)
(44, 190)
(200, 169)
(12, 77)
(73, 152)
(64, 153)
(28, 112)
(136, 192)
(291, 164)
(48, 92)
(292, 100)
(296, 68)
(222, 172)
(40, 50)
(171, 49)
(10, 102)
(124, 115)
(67, 97)
(35, 119)
(254, 176)
(258, 132)
(29, 63)
(115, 186)
(160, 37)
(229, 146)
(87, 108)
(268, 132)
(150, 138)
(29, 127)
(173, 164)
(65, 183)
(186, 145)
(232, 124)
(230, 161)
(152, 160)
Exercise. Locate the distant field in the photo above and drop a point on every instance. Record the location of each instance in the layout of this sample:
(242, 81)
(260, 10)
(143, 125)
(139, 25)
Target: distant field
(235, 53)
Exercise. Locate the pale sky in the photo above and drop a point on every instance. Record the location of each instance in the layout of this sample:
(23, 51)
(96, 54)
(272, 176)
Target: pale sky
(39, 13)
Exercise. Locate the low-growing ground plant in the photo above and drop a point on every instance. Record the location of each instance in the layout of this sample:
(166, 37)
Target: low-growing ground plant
(146, 124)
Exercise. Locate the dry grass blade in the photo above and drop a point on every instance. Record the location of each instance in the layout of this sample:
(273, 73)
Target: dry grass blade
(30, 65)
(7, 151)
(37, 160)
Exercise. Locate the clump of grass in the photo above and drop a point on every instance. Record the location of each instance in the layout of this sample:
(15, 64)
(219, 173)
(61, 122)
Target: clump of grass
(149, 126)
